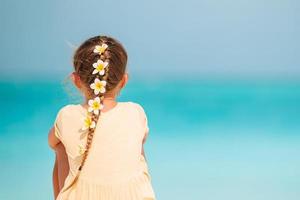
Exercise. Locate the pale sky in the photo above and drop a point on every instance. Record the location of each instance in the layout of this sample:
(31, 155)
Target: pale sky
(163, 38)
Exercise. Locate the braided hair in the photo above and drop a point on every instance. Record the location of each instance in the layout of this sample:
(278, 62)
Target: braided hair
(100, 63)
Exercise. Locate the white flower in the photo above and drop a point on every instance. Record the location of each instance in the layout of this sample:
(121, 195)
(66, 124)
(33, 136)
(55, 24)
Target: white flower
(88, 123)
(82, 149)
(98, 86)
(95, 105)
(100, 49)
(99, 67)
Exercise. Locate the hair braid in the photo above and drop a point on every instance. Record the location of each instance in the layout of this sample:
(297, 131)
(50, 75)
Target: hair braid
(95, 118)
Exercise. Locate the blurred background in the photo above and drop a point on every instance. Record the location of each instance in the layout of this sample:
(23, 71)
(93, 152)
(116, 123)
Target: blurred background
(219, 81)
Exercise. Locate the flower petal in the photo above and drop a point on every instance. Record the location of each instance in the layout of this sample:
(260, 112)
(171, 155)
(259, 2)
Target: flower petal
(105, 64)
(95, 71)
(90, 102)
(95, 65)
(103, 83)
(90, 109)
(104, 46)
(96, 91)
(96, 80)
(97, 99)
(81, 149)
(101, 72)
(97, 47)
(93, 85)
(93, 125)
(101, 106)
(99, 62)
(102, 90)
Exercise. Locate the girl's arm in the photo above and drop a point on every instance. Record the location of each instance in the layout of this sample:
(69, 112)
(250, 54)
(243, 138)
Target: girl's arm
(55, 179)
(52, 139)
(62, 164)
(53, 142)
(61, 168)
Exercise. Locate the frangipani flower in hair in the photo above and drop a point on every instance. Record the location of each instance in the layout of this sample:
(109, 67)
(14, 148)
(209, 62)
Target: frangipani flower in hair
(88, 123)
(98, 86)
(82, 149)
(100, 48)
(95, 105)
(100, 67)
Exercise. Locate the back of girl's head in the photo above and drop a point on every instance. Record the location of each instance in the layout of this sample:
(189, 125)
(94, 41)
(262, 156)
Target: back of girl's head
(115, 55)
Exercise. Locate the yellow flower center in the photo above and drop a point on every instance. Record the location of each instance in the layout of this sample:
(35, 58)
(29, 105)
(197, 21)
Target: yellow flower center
(96, 105)
(100, 67)
(88, 122)
(101, 49)
(81, 150)
(98, 85)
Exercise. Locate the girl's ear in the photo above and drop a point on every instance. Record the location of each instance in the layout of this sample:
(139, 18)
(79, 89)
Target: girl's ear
(124, 80)
(76, 80)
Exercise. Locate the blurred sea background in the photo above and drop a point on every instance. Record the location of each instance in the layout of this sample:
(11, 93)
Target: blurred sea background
(219, 81)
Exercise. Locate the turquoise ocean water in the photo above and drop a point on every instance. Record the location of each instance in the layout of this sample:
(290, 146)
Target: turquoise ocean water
(235, 140)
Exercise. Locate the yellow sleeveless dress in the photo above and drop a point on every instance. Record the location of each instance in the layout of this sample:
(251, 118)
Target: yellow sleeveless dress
(115, 169)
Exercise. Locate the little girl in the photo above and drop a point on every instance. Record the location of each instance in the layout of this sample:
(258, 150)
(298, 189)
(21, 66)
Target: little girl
(103, 139)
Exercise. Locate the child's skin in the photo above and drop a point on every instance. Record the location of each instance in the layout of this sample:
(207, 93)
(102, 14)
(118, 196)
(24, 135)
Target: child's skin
(61, 166)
